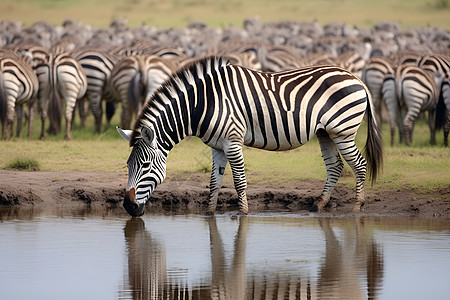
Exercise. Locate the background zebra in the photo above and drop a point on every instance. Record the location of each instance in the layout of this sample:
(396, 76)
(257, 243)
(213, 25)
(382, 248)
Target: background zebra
(18, 86)
(228, 106)
(413, 90)
(97, 65)
(134, 78)
(373, 76)
(62, 77)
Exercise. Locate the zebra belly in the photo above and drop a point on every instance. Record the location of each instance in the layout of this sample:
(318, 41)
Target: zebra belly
(257, 140)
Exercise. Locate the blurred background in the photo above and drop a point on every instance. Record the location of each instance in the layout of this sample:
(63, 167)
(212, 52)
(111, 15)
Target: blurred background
(223, 13)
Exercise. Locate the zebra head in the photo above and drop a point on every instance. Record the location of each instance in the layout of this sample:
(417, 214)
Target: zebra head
(146, 169)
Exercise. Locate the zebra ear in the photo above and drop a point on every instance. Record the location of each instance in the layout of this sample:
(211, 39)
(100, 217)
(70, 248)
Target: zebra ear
(126, 134)
(148, 135)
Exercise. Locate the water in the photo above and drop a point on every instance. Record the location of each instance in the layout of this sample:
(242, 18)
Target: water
(101, 255)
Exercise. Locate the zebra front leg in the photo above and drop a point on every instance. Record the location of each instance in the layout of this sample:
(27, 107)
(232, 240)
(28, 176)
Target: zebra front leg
(334, 165)
(236, 159)
(218, 169)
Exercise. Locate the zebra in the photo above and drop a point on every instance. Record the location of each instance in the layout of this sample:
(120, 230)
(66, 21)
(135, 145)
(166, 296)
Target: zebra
(373, 76)
(97, 65)
(414, 90)
(134, 78)
(445, 91)
(18, 85)
(229, 106)
(439, 66)
(62, 77)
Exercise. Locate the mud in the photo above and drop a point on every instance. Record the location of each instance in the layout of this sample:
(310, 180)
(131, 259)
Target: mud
(181, 194)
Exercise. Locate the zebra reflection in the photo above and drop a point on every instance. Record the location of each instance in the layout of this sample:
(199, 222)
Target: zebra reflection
(231, 283)
(348, 259)
(146, 262)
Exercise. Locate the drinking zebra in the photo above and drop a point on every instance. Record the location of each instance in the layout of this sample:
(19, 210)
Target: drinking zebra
(18, 86)
(413, 90)
(229, 106)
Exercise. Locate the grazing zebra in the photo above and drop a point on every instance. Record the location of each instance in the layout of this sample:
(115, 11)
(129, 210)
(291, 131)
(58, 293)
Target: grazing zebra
(62, 77)
(413, 90)
(228, 106)
(18, 85)
(373, 76)
(134, 78)
(97, 65)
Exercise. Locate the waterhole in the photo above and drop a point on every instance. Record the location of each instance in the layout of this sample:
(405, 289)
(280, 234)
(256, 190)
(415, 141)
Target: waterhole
(91, 255)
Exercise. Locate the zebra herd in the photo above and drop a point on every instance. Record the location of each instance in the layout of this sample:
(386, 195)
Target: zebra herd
(77, 66)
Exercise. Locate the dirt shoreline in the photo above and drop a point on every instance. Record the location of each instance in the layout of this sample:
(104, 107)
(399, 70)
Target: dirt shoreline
(73, 190)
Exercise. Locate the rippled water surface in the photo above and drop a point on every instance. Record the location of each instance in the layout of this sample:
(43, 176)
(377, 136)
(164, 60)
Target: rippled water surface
(262, 256)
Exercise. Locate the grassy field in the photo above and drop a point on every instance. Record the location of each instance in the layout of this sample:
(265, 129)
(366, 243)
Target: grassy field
(222, 13)
(420, 167)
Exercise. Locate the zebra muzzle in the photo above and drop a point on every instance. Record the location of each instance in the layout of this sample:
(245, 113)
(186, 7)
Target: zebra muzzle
(131, 206)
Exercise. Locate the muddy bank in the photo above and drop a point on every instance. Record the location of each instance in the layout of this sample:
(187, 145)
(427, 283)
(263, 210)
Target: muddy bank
(189, 194)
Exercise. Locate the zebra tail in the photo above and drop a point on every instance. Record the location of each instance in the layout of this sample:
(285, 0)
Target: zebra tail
(55, 110)
(374, 143)
(135, 91)
(440, 112)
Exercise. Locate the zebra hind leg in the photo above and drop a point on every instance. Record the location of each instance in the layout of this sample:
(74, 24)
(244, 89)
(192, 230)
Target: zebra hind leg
(218, 169)
(334, 165)
(358, 164)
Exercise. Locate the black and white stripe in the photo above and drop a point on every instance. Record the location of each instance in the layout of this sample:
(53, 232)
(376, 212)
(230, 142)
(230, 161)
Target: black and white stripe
(412, 90)
(18, 86)
(228, 106)
(373, 76)
(97, 65)
(445, 92)
(62, 77)
(134, 78)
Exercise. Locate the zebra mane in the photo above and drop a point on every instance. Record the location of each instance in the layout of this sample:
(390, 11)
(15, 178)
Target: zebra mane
(197, 69)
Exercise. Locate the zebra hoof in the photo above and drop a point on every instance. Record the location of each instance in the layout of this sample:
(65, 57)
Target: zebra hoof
(315, 208)
(358, 207)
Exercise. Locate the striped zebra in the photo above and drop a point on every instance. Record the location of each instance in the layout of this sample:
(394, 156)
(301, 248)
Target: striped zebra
(62, 77)
(97, 65)
(446, 98)
(439, 66)
(18, 86)
(229, 106)
(134, 78)
(412, 90)
(373, 76)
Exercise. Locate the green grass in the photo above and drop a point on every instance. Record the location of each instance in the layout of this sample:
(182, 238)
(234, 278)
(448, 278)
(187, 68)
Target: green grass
(222, 13)
(25, 164)
(420, 167)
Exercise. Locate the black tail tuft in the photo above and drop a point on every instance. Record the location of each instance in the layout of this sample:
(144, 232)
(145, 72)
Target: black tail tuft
(55, 111)
(374, 144)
